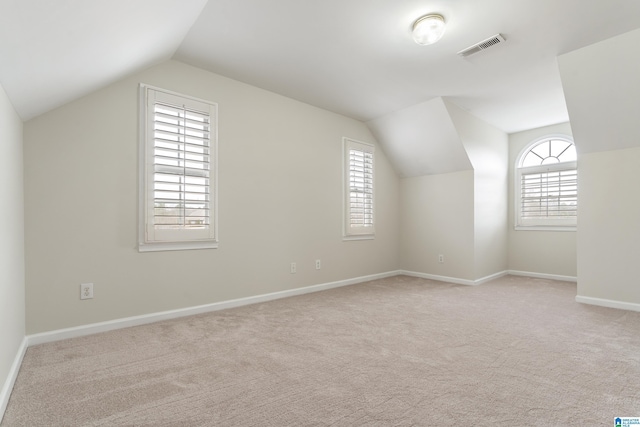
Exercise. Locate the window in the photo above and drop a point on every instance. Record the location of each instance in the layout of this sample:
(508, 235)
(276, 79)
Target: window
(547, 185)
(178, 154)
(358, 189)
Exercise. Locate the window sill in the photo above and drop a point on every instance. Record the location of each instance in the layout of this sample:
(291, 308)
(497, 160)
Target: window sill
(545, 228)
(176, 246)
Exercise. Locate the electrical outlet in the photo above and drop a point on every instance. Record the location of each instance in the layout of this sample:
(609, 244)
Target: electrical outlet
(318, 264)
(293, 268)
(86, 291)
(440, 258)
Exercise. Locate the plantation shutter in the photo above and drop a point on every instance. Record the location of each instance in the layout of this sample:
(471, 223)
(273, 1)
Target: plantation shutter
(360, 188)
(179, 175)
(549, 194)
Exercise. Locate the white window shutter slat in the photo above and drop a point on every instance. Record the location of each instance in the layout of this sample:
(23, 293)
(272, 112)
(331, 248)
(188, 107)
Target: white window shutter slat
(359, 188)
(180, 149)
(549, 194)
(180, 206)
(547, 184)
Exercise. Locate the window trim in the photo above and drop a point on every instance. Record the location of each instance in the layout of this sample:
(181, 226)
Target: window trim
(540, 224)
(362, 233)
(144, 145)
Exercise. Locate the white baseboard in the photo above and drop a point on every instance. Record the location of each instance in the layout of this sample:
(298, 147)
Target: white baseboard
(446, 279)
(543, 275)
(608, 303)
(61, 334)
(110, 325)
(454, 280)
(5, 393)
(490, 277)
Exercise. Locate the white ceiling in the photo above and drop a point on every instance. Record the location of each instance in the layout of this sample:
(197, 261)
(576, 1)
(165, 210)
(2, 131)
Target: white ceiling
(55, 51)
(421, 140)
(353, 57)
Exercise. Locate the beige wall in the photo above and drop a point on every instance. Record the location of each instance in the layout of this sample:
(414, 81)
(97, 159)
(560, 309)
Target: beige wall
(602, 90)
(12, 305)
(437, 218)
(609, 243)
(540, 252)
(487, 148)
(461, 215)
(280, 197)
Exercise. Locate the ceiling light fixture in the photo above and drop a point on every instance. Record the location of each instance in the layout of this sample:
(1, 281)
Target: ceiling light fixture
(428, 29)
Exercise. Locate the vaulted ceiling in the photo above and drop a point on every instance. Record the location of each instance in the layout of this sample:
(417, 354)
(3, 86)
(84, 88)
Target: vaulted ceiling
(353, 57)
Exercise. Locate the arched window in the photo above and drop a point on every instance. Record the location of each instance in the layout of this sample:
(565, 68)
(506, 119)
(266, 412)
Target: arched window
(547, 184)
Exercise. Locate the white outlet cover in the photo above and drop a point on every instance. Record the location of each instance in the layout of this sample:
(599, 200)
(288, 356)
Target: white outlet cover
(86, 291)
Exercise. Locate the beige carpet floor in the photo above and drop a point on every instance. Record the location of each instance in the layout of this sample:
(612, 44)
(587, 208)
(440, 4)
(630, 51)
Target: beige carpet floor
(395, 352)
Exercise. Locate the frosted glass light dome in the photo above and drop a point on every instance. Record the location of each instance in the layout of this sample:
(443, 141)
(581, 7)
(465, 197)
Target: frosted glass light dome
(428, 29)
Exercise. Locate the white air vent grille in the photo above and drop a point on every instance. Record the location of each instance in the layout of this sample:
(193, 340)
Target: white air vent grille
(484, 44)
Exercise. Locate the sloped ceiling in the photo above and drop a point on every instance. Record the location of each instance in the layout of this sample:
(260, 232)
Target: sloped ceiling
(55, 51)
(601, 83)
(352, 57)
(421, 140)
(357, 57)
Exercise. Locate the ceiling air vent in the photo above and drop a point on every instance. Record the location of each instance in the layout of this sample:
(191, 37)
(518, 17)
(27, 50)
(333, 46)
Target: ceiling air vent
(484, 44)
